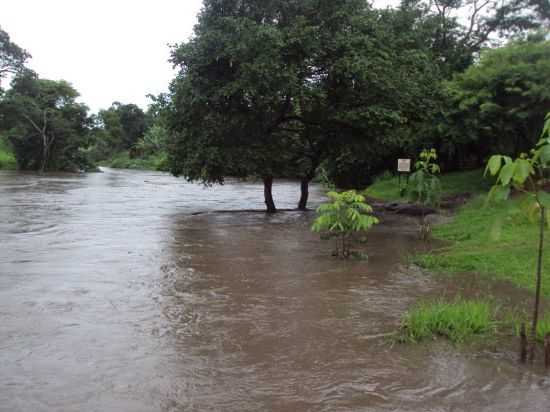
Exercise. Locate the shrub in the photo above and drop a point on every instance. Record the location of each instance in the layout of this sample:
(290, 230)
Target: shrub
(346, 214)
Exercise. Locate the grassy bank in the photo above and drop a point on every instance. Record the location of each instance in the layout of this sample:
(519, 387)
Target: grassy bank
(495, 241)
(124, 161)
(7, 158)
(472, 181)
(463, 320)
(457, 321)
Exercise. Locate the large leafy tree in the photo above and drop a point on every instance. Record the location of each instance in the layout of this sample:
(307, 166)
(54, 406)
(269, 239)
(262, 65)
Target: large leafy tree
(373, 85)
(232, 95)
(273, 88)
(47, 128)
(280, 87)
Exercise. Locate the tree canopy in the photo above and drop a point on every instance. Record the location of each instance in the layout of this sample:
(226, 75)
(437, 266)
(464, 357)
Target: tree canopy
(498, 104)
(125, 124)
(12, 57)
(45, 125)
(278, 87)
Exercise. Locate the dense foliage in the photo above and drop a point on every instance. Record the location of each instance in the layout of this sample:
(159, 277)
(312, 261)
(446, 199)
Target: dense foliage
(282, 88)
(497, 105)
(46, 127)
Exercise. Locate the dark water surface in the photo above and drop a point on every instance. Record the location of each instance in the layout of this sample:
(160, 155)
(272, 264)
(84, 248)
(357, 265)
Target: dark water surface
(114, 297)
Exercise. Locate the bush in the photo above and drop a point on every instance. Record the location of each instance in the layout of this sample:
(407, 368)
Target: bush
(7, 158)
(346, 214)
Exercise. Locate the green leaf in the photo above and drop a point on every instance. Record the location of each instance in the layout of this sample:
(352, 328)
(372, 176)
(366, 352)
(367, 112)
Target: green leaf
(544, 199)
(544, 154)
(522, 171)
(494, 164)
(506, 173)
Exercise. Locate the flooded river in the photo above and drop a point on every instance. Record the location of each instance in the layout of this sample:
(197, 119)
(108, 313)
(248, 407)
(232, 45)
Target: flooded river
(116, 296)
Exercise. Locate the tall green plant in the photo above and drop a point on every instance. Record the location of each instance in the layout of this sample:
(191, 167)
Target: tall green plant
(425, 187)
(346, 213)
(526, 174)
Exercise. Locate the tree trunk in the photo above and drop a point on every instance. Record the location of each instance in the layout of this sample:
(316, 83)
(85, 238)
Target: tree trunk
(304, 187)
(539, 284)
(268, 194)
(45, 154)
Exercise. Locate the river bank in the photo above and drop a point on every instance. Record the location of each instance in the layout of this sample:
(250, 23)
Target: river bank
(493, 242)
(496, 241)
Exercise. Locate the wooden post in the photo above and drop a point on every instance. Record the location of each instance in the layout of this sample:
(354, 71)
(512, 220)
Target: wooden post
(547, 350)
(523, 343)
(542, 225)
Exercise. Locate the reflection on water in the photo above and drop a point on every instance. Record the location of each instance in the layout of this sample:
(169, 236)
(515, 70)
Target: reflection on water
(114, 297)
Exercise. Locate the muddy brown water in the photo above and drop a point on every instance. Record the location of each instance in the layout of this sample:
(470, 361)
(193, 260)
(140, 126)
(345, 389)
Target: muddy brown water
(115, 297)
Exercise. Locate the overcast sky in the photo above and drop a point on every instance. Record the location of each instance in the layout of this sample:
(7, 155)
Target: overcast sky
(108, 49)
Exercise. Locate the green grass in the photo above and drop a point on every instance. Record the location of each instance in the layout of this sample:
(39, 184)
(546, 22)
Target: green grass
(122, 160)
(472, 181)
(457, 321)
(496, 241)
(7, 158)
(543, 326)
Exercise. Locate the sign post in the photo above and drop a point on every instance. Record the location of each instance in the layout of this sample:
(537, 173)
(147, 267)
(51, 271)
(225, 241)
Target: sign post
(403, 168)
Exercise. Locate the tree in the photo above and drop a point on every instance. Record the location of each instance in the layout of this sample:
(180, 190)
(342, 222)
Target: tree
(12, 57)
(457, 30)
(280, 87)
(232, 95)
(345, 214)
(153, 141)
(526, 174)
(496, 104)
(46, 126)
(454, 33)
(376, 89)
(125, 124)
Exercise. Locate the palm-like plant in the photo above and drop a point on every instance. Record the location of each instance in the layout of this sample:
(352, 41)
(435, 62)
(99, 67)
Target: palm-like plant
(346, 213)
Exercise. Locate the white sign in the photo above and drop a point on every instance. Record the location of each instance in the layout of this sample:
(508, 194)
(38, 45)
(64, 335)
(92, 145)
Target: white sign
(404, 165)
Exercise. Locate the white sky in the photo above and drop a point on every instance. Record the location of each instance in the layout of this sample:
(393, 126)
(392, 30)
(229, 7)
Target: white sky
(110, 50)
